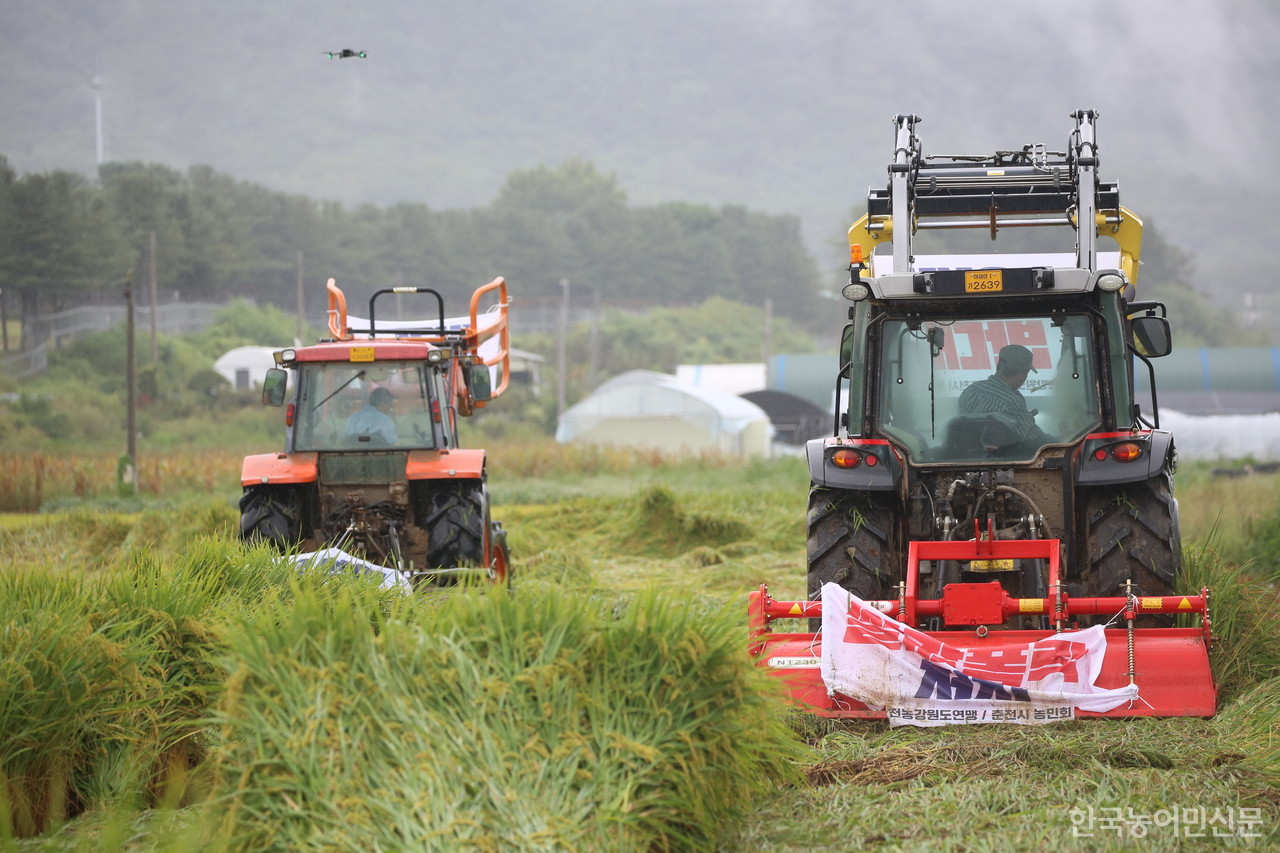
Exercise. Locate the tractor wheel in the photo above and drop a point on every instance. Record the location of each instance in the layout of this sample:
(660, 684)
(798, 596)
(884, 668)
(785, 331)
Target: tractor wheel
(854, 540)
(1132, 534)
(457, 516)
(269, 514)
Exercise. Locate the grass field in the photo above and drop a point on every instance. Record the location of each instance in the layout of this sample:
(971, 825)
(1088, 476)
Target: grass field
(603, 706)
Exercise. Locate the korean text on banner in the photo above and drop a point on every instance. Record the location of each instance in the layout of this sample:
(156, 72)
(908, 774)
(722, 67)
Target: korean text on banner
(918, 679)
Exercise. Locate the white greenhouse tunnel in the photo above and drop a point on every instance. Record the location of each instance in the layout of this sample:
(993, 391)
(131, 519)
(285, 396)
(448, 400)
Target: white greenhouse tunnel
(1224, 437)
(644, 409)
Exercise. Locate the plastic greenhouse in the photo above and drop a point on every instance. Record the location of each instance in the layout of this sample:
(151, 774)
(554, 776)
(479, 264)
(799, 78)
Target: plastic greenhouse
(655, 411)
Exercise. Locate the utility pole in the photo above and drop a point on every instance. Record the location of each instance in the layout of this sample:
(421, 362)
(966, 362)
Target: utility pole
(130, 472)
(151, 275)
(595, 342)
(767, 345)
(96, 85)
(564, 333)
(297, 338)
(4, 323)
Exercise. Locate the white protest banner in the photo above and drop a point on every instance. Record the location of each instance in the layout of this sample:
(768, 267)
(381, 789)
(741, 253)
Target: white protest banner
(918, 679)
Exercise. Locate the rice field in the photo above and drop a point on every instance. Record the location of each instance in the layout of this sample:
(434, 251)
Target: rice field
(168, 688)
(30, 482)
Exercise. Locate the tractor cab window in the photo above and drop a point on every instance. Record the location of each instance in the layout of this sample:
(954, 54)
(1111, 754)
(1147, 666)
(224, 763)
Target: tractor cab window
(987, 389)
(343, 406)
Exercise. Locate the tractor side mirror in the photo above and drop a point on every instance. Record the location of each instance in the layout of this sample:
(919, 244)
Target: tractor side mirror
(846, 344)
(1151, 336)
(273, 387)
(479, 382)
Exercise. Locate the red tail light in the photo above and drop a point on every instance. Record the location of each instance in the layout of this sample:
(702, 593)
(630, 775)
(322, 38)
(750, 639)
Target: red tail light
(1126, 452)
(846, 458)
(288, 415)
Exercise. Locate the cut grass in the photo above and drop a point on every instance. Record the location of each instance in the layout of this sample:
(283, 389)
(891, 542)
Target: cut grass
(974, 788)
(104, 685)
(351, 717)
(496, 724)
(383, 692)
(1010, 788)
(719, 542)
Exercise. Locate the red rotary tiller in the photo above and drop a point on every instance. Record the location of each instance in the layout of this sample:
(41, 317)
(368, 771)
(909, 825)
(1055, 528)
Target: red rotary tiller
(1169, 665)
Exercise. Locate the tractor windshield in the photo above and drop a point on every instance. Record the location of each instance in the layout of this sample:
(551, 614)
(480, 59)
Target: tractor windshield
(987, 389)
(344, 406)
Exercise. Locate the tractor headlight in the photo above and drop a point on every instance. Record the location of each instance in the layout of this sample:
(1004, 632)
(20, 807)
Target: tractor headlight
(1110, 282)
(855, 292)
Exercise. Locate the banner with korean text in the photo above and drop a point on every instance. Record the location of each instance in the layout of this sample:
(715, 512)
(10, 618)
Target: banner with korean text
(920, 680)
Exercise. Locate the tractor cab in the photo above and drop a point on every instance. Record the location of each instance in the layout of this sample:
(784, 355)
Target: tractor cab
(398, 400)
(343, 406)
(926, 368)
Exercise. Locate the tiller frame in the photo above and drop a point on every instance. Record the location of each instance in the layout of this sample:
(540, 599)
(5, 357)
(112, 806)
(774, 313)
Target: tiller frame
(1169, 665)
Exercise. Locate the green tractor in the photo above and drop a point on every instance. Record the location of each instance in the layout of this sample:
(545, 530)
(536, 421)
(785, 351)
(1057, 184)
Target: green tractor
(992, 395)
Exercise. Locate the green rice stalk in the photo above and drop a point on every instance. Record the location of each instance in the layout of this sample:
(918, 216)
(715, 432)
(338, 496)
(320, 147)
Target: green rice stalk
(1244, 612)
(493, 722)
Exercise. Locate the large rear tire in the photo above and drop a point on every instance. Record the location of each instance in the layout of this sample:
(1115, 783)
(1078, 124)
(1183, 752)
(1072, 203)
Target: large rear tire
(270, 514)
(456, 518)
(1132, 534)
(854, 540)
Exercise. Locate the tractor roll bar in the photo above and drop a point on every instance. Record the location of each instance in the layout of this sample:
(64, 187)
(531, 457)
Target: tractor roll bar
(373, 321)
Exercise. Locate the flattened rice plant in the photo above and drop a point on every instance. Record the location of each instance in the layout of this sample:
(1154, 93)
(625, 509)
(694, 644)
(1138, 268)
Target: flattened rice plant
(493, 722)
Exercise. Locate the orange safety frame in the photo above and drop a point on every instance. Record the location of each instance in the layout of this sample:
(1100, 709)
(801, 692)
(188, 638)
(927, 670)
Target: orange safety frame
(468, 339)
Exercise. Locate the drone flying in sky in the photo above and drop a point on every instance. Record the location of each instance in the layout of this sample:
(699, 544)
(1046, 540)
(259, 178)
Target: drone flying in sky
(346, 53)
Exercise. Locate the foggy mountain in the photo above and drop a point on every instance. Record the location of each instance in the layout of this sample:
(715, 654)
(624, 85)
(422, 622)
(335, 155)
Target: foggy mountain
(780, 105)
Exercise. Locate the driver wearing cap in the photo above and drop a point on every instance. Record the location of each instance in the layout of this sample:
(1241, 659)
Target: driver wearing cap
(998, 394)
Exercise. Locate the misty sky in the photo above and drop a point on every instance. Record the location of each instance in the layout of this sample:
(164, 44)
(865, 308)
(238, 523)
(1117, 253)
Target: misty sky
(782, 105)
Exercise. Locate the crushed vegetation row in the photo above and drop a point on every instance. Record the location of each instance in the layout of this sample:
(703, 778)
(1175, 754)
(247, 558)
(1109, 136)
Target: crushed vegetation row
(174, 689)
(277, 710)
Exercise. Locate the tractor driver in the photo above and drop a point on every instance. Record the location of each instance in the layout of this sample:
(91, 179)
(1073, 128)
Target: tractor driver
(375, 418)
(998, 394)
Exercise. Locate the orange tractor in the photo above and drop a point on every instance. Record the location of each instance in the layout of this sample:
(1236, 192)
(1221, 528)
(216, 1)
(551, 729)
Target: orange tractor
(992, 531)
(371, 462)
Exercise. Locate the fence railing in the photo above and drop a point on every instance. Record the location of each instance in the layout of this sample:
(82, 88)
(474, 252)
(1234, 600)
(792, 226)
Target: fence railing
(62, 327)
(531, 316)
(22, 365)
(173, 318)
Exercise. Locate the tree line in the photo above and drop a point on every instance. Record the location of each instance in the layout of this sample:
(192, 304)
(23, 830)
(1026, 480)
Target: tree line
(68, 240)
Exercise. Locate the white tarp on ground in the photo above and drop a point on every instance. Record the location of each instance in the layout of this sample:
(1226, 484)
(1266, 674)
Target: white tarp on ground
(1224, 437)
(337, 561)
(921, 681)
